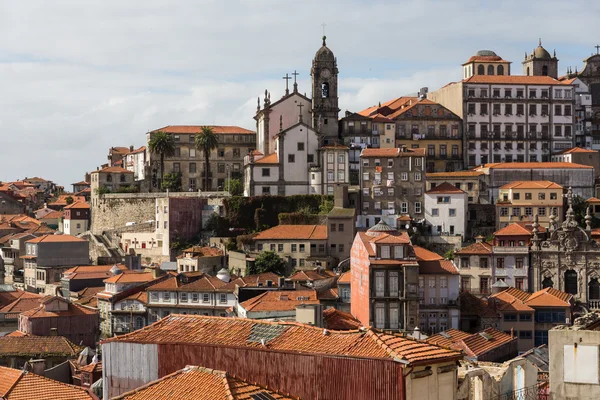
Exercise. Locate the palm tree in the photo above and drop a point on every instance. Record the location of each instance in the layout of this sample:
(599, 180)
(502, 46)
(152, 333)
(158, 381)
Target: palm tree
(163, 144)
(206, 141)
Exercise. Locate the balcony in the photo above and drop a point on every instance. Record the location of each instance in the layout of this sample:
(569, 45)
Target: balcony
(418, 136)
(511, 249)
(594, 304)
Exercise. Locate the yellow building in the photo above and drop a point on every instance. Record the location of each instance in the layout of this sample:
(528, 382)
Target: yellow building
(521, 200)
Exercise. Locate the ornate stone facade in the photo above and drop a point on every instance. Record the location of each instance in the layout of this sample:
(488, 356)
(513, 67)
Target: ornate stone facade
(324, 73)
(568, 259)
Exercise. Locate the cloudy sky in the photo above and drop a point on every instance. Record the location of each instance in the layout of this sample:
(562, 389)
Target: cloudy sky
(77, 77)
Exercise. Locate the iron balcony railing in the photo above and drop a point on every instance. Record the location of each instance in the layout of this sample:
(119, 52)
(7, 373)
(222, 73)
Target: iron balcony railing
(537, 392)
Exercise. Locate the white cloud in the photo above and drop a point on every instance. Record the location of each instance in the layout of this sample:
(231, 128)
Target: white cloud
(79, 77)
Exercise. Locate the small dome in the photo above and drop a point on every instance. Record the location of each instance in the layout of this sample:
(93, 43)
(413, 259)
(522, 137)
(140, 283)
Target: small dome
(223, 275)
(541, 52)
(115, 270)
(486, 53)
(500, 284)
(324, 53)
(379, 228)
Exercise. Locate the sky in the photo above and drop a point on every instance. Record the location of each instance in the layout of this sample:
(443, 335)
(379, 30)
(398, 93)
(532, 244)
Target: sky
(77, 77)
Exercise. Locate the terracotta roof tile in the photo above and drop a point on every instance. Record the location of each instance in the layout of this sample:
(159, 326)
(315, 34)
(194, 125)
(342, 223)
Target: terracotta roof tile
(77, 205)
(577, 150)
(513, 230)
(200, 383)
(437, 267)
(476, 248)
(268, 159)
(280, 300)
(531, 185)
(448, 337)
(423, 254)
(392, 152)
(549, 297)
(339, 320)
(287, 337)
(257, 280)
(204, 251)
(345, 277)
(73, 310)
(513, 79)
(456, 174)
(445, 188)
(294, 232)
(53, 215)
(130, 277)
(195, 129)
(536, 165)
(26, 386)
(56, 239)
(113, 170)
(311, 275)
(593, 200)
(477, 344)
(38, 346)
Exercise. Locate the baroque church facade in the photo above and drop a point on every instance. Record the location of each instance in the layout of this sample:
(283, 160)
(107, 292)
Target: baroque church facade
(297, 148)
(568, 259)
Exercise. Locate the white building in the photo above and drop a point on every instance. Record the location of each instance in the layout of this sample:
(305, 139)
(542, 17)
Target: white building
(446, 210)
(76, 218)
(135, 161)
(583, 113)
(509, 118)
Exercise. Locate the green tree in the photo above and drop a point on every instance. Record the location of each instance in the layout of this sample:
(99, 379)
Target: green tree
(206, 141)
(449, 255)
(326, 206)
(218, 225)
(69, 200)
(163, 144)
(234, 186)
(171, 182)
(268, 261)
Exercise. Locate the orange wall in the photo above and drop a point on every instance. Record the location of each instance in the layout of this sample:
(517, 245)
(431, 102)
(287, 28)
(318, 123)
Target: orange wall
(359, 294)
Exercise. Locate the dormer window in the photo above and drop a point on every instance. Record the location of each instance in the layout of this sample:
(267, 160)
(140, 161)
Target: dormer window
(398, 252)
(385, 251)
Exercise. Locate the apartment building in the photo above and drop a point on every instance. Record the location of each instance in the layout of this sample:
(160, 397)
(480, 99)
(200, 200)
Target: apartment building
(580, 156)
(446, 211)
(475, 265)
(583, 112)
(135, 161)
(510, 254)
(392, 185)
(48, 256)
(384, 279)
(110, 180)
(193, 293)
(225, 162)
(76, 219)
(521, 200)
(200, 259)
(510, 118)
(474, 183)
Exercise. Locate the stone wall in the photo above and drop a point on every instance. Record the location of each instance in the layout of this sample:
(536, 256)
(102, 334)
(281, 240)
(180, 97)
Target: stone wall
(114, 211)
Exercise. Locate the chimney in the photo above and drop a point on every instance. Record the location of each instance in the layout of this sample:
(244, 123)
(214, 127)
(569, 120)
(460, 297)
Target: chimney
(281, 282)
(87, 177)
(340, 196)
(130, 149)
(479, 239)
(156, 272)
(53, 332)
(512, 333)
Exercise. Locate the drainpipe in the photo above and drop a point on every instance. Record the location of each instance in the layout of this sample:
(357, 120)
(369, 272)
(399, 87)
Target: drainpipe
(404, 380)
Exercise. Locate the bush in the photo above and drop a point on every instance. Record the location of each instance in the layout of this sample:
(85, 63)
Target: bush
(171, 182)
(268, 261)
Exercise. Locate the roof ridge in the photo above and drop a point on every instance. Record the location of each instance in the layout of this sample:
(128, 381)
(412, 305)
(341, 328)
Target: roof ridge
(23, 372)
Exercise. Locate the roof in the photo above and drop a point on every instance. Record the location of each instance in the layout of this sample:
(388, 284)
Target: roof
(512, 79)
(204, 251)
(200, 383)
(423, 254)
(519, 300)
(340, 212)
(38, 346)
(53, 215)
(345, 277)
(531, 185)
(197, 282)
(445, 188)
(130, 277)
(294, 232)
(475, 344)
(56, 239)
(513, 230)
(92, 271)
(287, 337)
(280, 300)
(22, 385)
(455, 174)
(257, 280)
(392, 152)
(437, 267)
(77, 205)
(539, 356)
(577, 150)
(195, 129)
(482, 248)
(23, 303)
(92, 367)
(112, 170)
(536, 165)
(311, 275)
(339, 320)
(268, 159)
(73, 310)
(593, 200)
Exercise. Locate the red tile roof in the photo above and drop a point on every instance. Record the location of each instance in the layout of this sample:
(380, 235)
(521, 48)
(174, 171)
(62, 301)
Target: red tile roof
(456, 174)
(339, 320)
(531, 185)
(77, 205)
(448, 338)
(309, 275)
(130, 277)
(512, 79)
(258, 280)
(113, 170)
(548, 297)
(280, 300)
(513, 230)
(22, 385)
(287, 337)
(345, 277)
(56, 239)
(423, 254)
(482, 248)
(445, 188)
(474, 345)
(268, 159)
(196, 129)
(73, 310)
(200, 383)
(392, 152)
(203, 251)
(53, 215)
(294, 232)
(577, 150)
(437, 267)
(487, 59)
(536, 165)
(38, 347)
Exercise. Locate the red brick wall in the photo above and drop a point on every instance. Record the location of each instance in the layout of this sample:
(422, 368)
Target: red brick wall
(185, 216)
(359, 293)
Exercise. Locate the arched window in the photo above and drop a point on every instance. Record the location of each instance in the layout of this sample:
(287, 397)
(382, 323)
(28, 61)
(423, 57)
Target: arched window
(545, 70)
(547, 283)
(480, 70)
(500, 70)
(490, 70)
(571, 281)
(527, 71)
(594, 289)
(325, 90)
(108, 178)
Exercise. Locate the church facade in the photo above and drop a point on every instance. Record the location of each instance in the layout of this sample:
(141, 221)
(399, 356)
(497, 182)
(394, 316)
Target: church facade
(568, 259)
(297, 150)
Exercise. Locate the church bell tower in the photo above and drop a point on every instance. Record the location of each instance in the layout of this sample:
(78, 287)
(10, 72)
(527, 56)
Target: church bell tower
(324, 74)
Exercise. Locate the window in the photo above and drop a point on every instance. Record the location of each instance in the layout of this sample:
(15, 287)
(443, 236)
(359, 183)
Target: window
(385, 251)
(291, 158)
(509, 317)
(195, 297)
(404, 207)
(404, 176)
(302, 248)
(525, 335)
(184, 297)
(266, 190)
(280, 247)
(435, 212)
(452, 212)
(266, 172)
(417, 176)
(300, 146)
(443, 282)
(205, 297)
(519, 262)
(341, 248)
(310, 158)
(484, 285)
(223, 298)
(418, 207)
(294, 247)
(379, 283)
(153, 296)
(431, 282)
(167, 296)
(340, 227)
(500, 262)
(464, 262)
(553, 196)
(541, 337)
(528, 211)
(366, 176)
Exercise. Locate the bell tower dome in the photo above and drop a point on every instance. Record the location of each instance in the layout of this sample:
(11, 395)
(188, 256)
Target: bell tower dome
(324, 74)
